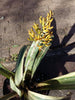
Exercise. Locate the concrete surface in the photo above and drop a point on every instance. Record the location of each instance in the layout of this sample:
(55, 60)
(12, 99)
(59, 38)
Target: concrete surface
(17, 16)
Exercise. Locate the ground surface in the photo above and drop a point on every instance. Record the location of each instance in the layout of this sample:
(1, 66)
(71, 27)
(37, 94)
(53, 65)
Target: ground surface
(17, 16)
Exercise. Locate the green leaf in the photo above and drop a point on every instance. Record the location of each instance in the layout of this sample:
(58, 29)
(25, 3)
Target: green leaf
(33, 51)
(20, 66)
(62, 82)
(14, 87)
(5, 72)
(8, 96)
(20, 55)
(37, 96)
(38, 59)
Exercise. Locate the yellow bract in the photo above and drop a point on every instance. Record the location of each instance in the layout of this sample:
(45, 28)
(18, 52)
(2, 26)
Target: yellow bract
(43, 34)
(35, 26)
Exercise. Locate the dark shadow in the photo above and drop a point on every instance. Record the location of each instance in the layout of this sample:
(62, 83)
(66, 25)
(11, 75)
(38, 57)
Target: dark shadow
(70, 34)
(53, 64)
(6, 88)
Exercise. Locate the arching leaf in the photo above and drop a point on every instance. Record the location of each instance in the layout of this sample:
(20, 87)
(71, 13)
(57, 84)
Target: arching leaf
(38, 59)
(31, 56)
(5, 72)
(62, 82)
(20, 66)
(37, 96)
(14, 87)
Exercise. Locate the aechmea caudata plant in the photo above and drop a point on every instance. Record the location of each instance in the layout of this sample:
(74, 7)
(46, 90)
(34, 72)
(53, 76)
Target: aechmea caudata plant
(21, 82)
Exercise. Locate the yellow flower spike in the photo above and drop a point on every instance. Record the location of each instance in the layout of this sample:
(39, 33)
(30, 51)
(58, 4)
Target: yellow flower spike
(51, 20)
(51, 33)
(48, 36)
(39, 31)
(30, 38)
(35, 26)
(50, 28)
(47, 17)
(38, 37)
(48, 45)
(46, 31)
(44, 28)
(32, 30)
(43, 21)
(43, 34)
(50, 39)
(33, 33)
(48, 14)
(44, 42)
(47, 39)
(30, 34)
(51, 14)
(49, 25)
(40, 19)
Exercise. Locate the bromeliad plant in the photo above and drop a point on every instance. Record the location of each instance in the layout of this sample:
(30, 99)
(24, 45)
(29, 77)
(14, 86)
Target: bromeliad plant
(21, 81)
